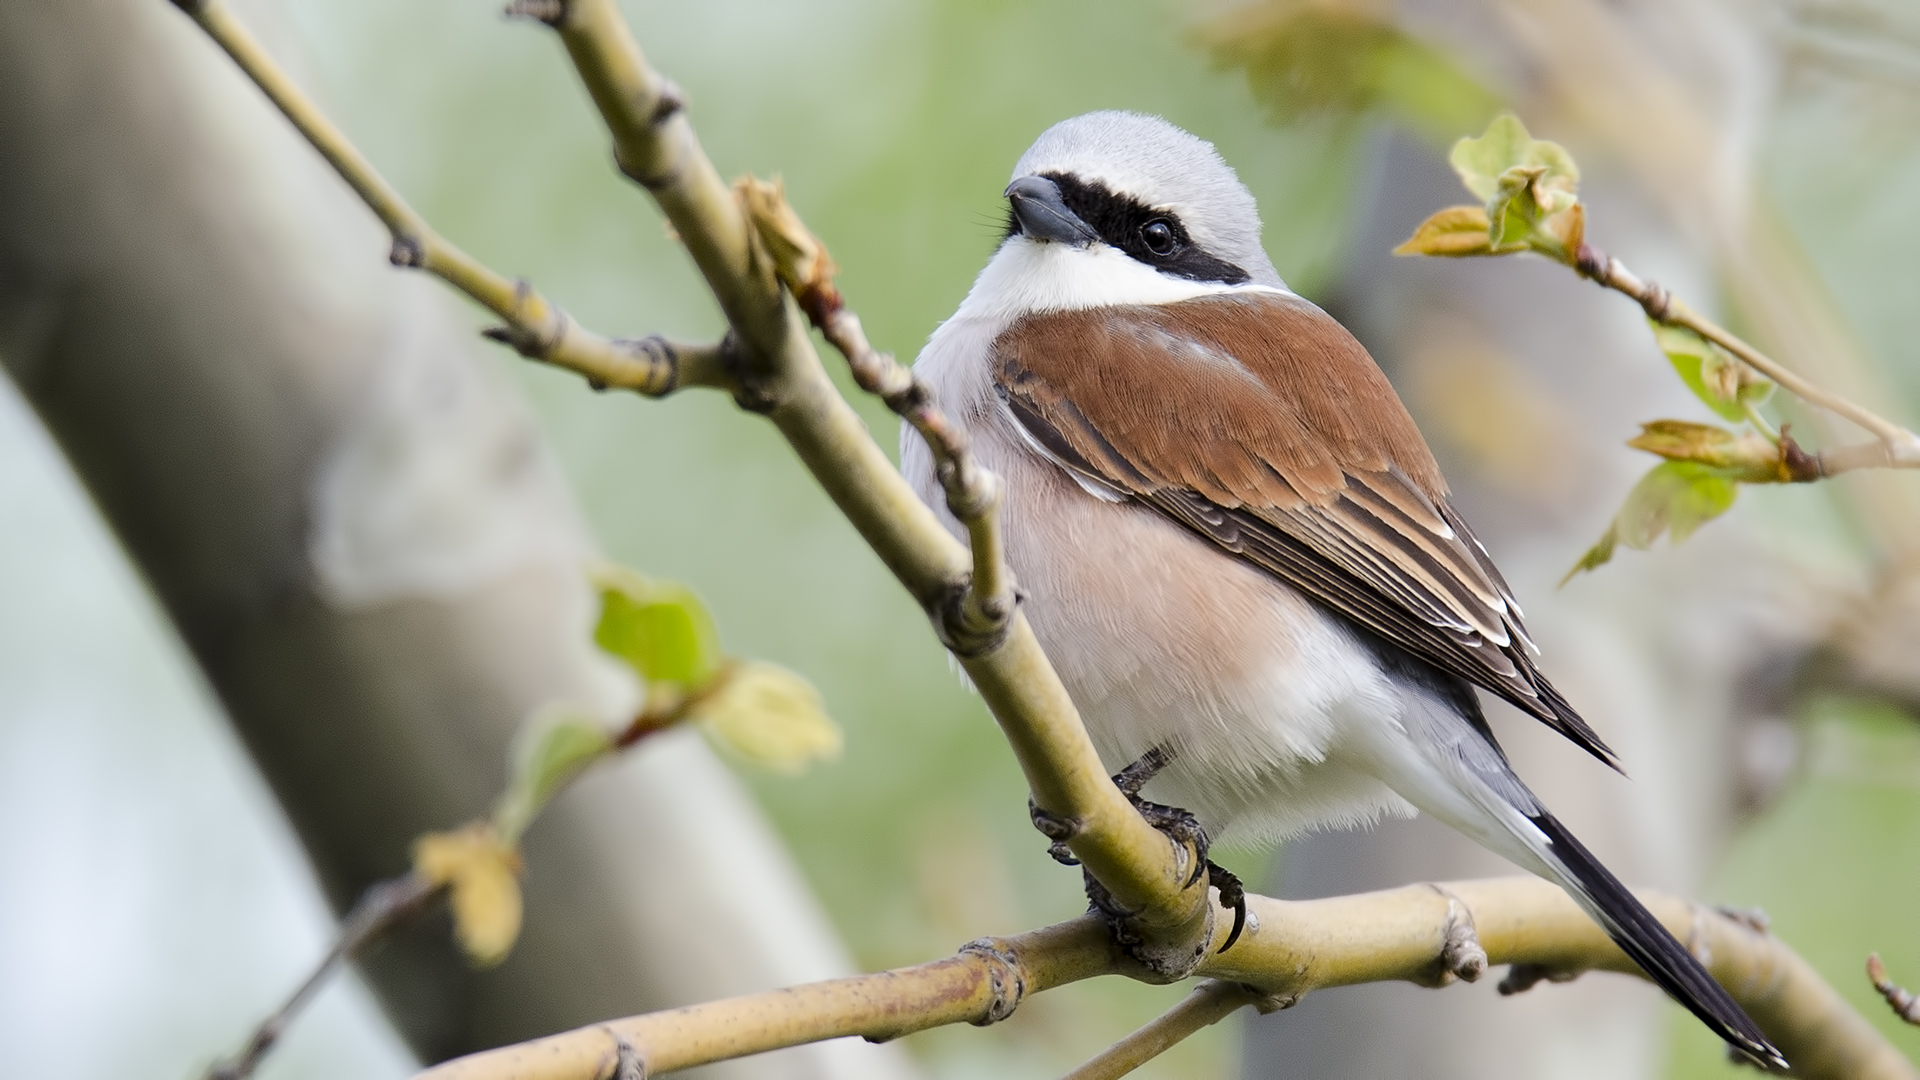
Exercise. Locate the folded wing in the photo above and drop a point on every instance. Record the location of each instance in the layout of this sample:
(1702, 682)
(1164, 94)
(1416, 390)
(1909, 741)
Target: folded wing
(1255, 420)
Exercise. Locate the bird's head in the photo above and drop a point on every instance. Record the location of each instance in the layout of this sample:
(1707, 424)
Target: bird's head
(1120, 185)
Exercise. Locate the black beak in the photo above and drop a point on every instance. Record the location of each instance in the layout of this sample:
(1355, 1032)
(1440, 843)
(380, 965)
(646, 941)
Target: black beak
(1041, 215)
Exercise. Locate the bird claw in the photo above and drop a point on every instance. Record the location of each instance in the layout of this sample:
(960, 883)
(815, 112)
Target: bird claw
(1179, 825)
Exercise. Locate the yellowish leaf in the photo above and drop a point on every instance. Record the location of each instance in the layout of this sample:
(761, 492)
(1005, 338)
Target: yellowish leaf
(1454, 232)
(1746, 457)
(483, 877)
(772, 717)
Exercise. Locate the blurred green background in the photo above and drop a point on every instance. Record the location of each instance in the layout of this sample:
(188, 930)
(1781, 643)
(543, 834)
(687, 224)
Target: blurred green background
(894, 125)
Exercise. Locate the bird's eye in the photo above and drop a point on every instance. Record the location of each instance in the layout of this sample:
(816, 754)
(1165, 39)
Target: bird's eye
(1158, 236)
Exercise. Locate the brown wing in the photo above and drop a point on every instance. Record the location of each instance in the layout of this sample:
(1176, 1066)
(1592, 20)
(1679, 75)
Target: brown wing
(1257, 421)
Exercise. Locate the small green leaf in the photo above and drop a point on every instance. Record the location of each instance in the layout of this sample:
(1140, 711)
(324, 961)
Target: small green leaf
(772, 717)
(1530, 186)
(1597, 556)
(1725, 384)
(1481, 161)
(558, 744)
(1675, 498)
(659, 628)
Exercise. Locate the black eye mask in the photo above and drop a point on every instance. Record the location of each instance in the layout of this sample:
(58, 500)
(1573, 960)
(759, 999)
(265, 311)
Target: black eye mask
(1154, 237)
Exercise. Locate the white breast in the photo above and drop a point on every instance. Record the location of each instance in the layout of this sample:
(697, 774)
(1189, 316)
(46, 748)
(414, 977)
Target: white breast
(1163, 639)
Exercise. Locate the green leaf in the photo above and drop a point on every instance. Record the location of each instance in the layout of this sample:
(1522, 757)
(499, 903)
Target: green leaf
(1726, 385)
(772, 717)
(661, 629)
(1530, 186)
(558, 744)
(1597, 556)
(1675, 498)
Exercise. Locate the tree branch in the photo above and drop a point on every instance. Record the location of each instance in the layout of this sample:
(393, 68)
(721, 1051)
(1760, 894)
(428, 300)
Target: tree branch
(385, 905)
(536, 328)
(1904, 1002)
(1210, 1003)
(1896, 447)
(1289, 949)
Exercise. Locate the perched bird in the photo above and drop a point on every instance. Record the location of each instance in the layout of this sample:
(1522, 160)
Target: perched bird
(1231, 538)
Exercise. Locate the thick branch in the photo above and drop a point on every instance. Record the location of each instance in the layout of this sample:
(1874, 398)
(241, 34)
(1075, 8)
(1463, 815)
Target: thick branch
(1896, 447)
(536, 328)
(1292, 948)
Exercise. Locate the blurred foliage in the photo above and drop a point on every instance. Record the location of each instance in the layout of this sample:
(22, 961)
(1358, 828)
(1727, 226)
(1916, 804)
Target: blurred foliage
(1832, 864)
(482, 872)
(1335, 59)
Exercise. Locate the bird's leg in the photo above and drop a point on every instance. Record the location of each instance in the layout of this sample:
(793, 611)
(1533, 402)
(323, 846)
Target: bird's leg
(1179, 825)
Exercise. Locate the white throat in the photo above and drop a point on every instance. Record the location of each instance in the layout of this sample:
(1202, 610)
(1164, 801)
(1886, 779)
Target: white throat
(1027, 276)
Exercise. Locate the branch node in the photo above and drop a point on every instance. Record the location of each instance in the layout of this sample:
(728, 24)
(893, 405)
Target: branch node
(408, 251)
(1592, 263)
(1268, 1004)
(672, 100)
(1753, 918)
(627, 1062)
(1007, 978)
(1904, 1003)
(1057, 829)
(551, 12)
(1461, 955)
(753, 390)
(1800, 466)
(1521, 978)
(660, 357)
(1658, 300)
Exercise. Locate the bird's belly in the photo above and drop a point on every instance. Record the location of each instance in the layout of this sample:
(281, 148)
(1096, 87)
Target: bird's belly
(1162, 639)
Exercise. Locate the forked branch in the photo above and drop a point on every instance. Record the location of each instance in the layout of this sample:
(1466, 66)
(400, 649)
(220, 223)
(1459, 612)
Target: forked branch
(535, 327)
(1895, 447)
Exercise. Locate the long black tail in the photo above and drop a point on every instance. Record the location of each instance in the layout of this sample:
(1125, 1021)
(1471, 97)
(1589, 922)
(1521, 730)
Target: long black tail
(1640, 936)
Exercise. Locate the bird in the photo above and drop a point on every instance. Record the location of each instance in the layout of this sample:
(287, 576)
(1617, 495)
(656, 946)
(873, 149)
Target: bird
(1232, 540)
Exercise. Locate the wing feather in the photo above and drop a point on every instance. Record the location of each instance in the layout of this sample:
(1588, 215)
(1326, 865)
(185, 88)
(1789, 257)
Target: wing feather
(1256, 421)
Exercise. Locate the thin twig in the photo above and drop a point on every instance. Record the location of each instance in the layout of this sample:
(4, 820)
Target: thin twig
(1208, 1004)
(1904, 1002)
(382, 907)
(536, 328)
(1896, 447)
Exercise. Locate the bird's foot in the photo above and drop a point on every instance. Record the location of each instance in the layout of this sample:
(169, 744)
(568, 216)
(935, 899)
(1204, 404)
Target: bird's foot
(1179, 825)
